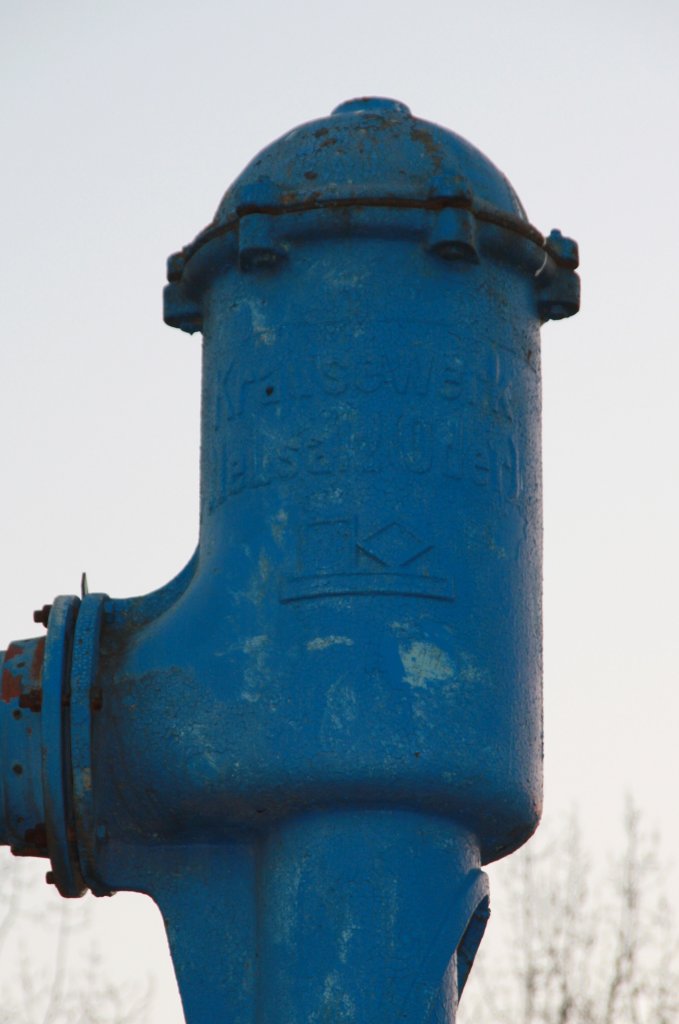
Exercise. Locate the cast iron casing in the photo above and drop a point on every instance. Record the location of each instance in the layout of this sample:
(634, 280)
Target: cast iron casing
(315, 735)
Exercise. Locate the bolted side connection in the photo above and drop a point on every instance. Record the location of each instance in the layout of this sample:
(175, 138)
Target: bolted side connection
(313, 738)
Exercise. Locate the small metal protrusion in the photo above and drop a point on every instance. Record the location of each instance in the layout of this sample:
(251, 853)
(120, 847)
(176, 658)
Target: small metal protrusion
(178, 311)
(84, 585)
(257, 246)
(42, 614)
(558, 290)
(563, 250)
(452, 235)
(175, 266)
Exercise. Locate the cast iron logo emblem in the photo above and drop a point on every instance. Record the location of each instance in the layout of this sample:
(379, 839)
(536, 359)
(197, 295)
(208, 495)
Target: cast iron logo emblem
(337, 558)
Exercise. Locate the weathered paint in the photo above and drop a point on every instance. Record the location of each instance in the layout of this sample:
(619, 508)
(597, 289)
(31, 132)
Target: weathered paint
(321, 643)
(313, 737)
(425, 663)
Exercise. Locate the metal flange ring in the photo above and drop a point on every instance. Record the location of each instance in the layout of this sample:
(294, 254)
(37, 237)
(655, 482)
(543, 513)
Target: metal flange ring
(83, 700)
(56, 754)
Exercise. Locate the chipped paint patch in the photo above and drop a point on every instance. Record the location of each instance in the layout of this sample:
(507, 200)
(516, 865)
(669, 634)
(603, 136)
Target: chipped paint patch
(278, 524)
(320, 643)
(401, 628)
(255, 673)
(264, 567)
(259, 581)
(336, 1002)
(255, 643)
(261, 325)
(345, 938)
(341, 711)
(424, 663)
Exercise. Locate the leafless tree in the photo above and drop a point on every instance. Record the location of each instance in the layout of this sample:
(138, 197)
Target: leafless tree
(580, 943)
(51, 969)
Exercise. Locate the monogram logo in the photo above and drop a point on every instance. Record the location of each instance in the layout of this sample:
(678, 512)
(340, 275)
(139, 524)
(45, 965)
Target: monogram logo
(338, 559)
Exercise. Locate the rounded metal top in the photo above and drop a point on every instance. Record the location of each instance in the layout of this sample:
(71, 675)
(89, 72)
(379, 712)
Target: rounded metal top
(371, 105)
(368, 148)
(371, 153)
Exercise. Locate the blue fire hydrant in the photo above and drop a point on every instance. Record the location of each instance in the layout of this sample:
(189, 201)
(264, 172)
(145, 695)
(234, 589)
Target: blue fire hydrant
(304, 747)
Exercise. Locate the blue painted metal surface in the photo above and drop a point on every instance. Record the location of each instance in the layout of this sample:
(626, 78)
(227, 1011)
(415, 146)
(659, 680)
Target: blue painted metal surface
(306, 745)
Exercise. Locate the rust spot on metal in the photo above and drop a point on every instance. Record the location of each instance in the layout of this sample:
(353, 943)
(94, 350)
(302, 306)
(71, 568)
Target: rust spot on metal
(37, 835)
(38, 659)
(31, 700)
(10, 687)
(429, 143)
(34, 844)
(321, 132)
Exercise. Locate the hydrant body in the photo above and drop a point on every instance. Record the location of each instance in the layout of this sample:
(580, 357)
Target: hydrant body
(305, 746)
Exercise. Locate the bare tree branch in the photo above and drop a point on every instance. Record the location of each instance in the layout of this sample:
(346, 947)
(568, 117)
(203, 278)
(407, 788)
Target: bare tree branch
(42, 987)
(579, 947)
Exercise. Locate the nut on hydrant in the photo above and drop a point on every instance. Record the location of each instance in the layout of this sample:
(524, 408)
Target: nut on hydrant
(305, 746)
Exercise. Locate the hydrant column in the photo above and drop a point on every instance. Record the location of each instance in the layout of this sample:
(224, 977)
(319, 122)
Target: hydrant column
(371, 472)
(371, 481)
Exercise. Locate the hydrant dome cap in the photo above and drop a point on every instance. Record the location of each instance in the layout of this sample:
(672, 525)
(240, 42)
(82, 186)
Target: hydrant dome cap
(369, 104)
(368, 148)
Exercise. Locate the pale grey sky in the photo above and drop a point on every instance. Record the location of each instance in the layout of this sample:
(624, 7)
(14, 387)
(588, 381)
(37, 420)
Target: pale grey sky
(123, 123)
